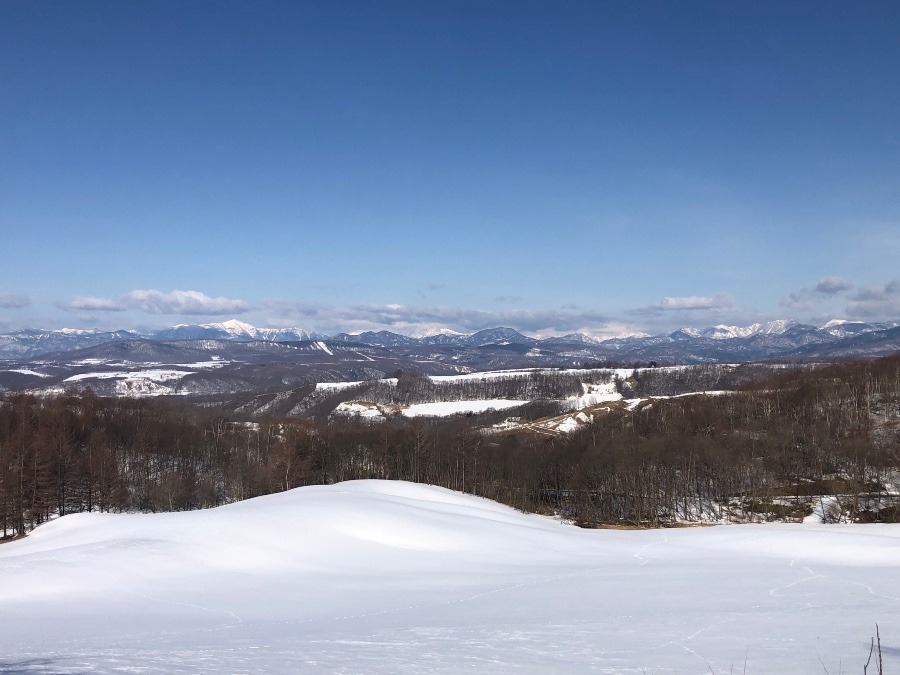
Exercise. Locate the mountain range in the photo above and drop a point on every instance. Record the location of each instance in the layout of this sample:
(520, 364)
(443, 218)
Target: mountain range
(234, 357)
(760, 340)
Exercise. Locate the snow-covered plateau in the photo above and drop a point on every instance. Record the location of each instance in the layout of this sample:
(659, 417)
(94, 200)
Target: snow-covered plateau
(375, 576)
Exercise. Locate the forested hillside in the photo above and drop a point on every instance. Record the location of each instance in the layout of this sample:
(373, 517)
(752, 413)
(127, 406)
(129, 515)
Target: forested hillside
(771, 450)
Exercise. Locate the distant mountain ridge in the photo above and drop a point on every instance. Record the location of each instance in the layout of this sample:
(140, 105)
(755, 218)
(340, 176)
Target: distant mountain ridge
(226, 359)
(32, 342)
(233, 330)
(782, 338)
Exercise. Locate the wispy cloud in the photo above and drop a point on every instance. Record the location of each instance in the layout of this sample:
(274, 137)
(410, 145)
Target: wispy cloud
(876, 303)
(89, 303)
(833, 285)
(184, 303)
(9, 301)
(430, 289)
(800, 301)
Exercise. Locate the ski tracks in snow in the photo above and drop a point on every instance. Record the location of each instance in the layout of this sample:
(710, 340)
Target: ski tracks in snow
(777, 591)
(226, 612)
(812, 575)
(645, 547)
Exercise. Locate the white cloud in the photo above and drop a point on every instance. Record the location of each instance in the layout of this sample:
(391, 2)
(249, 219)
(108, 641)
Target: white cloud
(9, 301)
(694, 302)
(184, 302)
(833, 285)
(719, 301)
(89, 303)
(876, 303)
(809, 300)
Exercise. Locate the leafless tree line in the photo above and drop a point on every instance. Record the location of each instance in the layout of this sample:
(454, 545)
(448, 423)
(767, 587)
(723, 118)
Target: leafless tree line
(760, 453)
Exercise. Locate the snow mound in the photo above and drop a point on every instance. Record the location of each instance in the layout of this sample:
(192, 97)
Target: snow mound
(301, 528)
(379, 576)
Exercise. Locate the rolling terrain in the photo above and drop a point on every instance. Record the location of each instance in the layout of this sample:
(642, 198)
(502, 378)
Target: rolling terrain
(380, 576)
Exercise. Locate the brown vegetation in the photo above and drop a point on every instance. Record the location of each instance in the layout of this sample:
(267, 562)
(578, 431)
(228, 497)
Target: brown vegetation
(755, 455)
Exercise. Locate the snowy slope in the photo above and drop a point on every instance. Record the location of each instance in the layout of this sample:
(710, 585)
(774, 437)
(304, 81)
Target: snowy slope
(375, 576)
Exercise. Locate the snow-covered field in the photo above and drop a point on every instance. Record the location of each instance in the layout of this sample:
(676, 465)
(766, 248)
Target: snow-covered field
(369, 411)
(448, 408)
(154, 375)
(375, 576)
(593, 396)
(376, 413)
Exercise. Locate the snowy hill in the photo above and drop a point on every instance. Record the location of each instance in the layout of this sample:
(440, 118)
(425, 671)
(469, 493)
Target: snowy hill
(374, 576)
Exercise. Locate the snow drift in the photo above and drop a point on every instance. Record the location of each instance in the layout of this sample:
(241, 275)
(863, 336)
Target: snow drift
(375, 576)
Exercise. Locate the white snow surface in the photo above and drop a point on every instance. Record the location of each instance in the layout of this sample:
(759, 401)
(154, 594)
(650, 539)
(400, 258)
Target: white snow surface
(723, 332)
(235, 327)
(389, 577)
(488, 375)
(338, 386)
(216, 362)
(447, 408)
(138, 383)
(321, 345)
(594, 394)
(25, 371)
(376, 412)
(623, 373)
(154, 375)
(370, 411)
(574, 422)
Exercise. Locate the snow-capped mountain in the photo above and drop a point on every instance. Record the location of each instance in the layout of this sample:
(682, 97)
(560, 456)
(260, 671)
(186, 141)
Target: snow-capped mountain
(722, 332)
(381, 338)
(32, 342)
(440, 332)
(844, 328)
(722, 343)
(233, 330)
(497, 336)
(490, 336)
(572, 339)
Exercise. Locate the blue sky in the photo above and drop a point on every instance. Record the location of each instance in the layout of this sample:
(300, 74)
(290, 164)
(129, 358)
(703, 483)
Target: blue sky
(594, 166)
